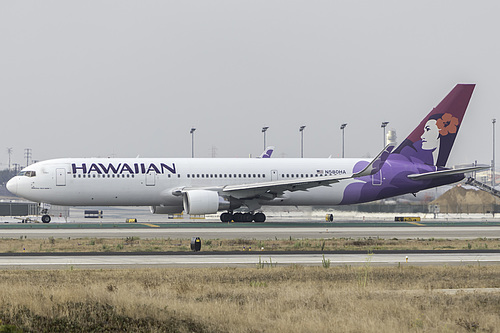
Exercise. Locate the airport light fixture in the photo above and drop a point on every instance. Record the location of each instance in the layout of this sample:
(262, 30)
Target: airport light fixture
(342, 127)
(192, 141)
(264, 129)
(384, 124)
(301, 130)
(493, 181)
(9, 151)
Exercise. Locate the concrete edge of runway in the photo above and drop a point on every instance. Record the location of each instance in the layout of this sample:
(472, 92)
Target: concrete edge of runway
(240, 253)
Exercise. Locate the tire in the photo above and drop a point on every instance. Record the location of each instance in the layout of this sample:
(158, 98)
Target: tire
(238, 217)
(259, 217)
(46, 218)
(247, 217)
(225, 217)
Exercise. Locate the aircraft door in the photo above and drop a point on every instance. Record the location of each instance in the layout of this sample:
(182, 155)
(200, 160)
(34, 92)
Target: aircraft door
(61, 177)
(377, 178)
(151, 178)
(274, 175)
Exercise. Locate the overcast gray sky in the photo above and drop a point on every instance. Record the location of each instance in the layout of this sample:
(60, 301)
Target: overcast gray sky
(127, 78)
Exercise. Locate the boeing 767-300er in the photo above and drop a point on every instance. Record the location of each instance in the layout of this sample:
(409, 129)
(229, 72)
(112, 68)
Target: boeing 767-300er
(210, 185)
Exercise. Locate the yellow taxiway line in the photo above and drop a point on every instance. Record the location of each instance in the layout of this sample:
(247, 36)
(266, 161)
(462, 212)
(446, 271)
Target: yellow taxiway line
(415, 223)
(151, 225)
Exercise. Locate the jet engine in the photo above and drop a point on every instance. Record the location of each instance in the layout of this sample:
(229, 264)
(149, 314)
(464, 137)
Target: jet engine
(204, 202)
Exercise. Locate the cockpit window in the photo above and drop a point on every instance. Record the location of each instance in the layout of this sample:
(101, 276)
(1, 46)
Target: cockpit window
(27, 173)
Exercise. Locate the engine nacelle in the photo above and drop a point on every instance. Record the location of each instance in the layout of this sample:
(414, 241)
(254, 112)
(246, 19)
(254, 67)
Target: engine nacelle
(166, 209)
(203, 202)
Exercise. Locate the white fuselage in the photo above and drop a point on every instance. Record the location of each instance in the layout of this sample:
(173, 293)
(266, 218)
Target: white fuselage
(151, 182)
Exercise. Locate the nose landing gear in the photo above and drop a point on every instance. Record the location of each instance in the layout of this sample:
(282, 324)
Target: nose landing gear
(243, 217)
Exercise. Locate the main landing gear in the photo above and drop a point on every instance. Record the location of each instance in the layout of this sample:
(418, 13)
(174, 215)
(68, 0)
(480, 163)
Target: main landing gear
(243, 217)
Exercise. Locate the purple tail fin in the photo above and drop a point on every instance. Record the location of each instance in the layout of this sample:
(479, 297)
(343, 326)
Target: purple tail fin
(431, 141)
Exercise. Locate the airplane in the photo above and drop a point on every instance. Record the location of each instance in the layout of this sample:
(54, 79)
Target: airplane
(240, 187)
(267, 152)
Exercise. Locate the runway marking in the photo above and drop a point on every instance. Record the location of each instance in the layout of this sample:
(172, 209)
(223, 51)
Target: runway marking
(415, 223)
(151, 225)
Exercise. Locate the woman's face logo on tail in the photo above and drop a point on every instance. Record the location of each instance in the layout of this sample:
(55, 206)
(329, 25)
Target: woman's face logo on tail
(436, 129)
(430, 138)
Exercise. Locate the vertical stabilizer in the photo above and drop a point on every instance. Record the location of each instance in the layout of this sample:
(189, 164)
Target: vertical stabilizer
(431, 141)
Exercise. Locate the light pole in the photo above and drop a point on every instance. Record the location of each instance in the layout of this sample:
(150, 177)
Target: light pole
(384, 124)
(9, 151)
(493, 121)
(342, 127)
(264, 129)
(301, 130)
(192, 141)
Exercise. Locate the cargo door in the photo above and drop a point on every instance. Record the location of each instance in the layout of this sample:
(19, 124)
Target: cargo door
(61, 177)
(377, 178)
(151, 178)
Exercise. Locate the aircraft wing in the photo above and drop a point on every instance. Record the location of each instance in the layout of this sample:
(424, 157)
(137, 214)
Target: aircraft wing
(273, 189)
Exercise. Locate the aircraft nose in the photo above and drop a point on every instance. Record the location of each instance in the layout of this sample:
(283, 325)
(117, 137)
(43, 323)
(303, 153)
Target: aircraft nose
(12, 185)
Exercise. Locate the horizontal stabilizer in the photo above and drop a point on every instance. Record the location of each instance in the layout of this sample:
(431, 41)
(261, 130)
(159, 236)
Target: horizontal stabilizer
(448, 172)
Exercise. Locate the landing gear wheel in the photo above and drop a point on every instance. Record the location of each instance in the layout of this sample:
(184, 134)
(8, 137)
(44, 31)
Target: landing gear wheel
(259, 217)
(226, 217)
(46, 218)
(247, 217)
(238, 217)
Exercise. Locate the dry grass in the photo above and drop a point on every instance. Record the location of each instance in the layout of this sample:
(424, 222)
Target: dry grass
(284, 299)
(135, 244)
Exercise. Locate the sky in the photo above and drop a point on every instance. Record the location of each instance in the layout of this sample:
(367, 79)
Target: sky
(131, 78)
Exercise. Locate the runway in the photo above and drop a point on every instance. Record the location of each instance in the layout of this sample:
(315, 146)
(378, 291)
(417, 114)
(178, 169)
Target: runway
(247, 231)
(274, 231)
(256, 259)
